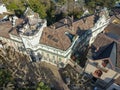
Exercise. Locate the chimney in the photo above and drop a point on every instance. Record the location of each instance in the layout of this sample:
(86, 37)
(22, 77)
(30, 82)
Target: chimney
(65, 21)
(53, 27)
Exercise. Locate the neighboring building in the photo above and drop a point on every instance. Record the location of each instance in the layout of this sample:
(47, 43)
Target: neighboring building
(87, 35)
(7, 38)
(113, 29)
(52, 44)
(115, 85)
(104, 59)
(2, 8)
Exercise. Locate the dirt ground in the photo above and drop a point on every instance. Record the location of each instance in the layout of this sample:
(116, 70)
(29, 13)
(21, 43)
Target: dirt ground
(27, 73)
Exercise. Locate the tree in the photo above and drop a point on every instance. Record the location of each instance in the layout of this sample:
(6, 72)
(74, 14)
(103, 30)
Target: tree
(42, 86)
(62, 2)
(16, 6)
(5, 77)
(19, 6)
(92, 4)
(38, 7)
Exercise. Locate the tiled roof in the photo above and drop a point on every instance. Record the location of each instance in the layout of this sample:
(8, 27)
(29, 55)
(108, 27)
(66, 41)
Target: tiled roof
(105, 45)
(63, 22)
(117, 81)
(113, 28)
(14, 31)
(56, 37)
(84, 23)
(19, 21)
(5, 27)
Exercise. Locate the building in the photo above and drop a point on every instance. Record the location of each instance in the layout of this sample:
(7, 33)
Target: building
(3, 12)
(2, 8)
(86, 36)
(113, 29)
(104, 60)
(54, 43)
(115, 85)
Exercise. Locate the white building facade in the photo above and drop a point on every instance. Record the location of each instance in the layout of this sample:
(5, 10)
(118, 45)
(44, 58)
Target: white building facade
(31, 33)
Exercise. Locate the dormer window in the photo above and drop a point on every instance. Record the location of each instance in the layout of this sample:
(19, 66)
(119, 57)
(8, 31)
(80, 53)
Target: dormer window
(104, 63)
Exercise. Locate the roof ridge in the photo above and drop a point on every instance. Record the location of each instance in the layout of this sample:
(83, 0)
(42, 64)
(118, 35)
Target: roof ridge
(60, 41)
(112, 39)
(106, 53)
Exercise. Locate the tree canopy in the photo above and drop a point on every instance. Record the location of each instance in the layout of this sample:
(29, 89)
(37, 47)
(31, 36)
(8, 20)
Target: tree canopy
(103, 3)
(42, 86)
(5, 77)
(49, 9)
(38, 7)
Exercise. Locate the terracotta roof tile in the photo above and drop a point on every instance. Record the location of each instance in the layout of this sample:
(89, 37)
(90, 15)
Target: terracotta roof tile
(5, 27)
(103, 40)
(55, 37)
(14, 32)
(113, 28)
(19, 21)
(84, 23)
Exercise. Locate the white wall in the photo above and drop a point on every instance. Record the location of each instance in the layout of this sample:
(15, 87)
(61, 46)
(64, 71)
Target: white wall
(2, 8)
(32, 41)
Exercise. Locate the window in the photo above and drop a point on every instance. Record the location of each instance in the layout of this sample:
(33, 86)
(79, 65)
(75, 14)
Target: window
(100, 23)
(55, 62)
(42, 53)
(53, 57)
(47, 55)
